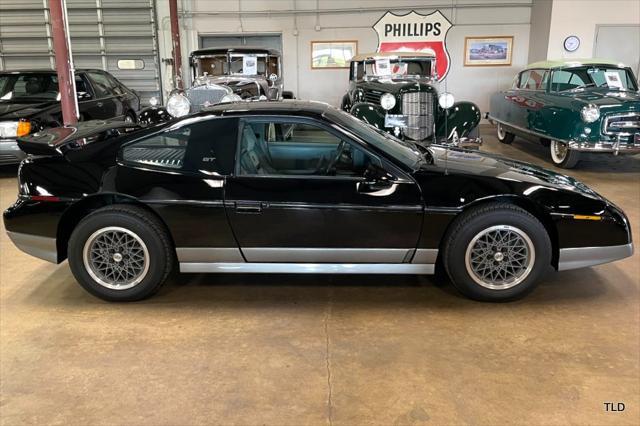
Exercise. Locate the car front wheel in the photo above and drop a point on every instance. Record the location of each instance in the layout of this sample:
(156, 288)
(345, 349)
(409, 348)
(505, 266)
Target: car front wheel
(120, 253)
(562, 156)
(504, 136)
(497, 252)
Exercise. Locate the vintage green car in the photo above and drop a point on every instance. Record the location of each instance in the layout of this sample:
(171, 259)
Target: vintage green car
(396, 92)
(573, 106)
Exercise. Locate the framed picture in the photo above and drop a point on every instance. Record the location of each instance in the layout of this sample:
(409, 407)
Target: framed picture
(488, 51)
(332, 54)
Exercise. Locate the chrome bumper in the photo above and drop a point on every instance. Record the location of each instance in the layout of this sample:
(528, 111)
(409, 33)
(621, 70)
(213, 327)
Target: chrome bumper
(35, 245)
(616, 147)
(10, 153)
(581, 257)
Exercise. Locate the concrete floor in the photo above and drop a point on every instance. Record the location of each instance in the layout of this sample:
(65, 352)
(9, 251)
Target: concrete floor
(291, 350)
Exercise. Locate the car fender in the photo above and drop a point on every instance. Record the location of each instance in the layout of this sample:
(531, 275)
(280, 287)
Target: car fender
(369, 113)
(153, 115)
(463, 117)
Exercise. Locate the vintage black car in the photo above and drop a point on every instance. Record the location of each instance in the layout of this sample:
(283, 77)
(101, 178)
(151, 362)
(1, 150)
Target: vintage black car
(29, 101)
(397, 92)
(297, 187)
(224, 75)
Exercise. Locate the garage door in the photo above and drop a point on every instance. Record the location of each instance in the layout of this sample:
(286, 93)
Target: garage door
(265, 41)
(118, 36)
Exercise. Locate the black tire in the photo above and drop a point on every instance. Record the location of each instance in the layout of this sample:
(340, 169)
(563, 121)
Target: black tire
(503, 135)
(563, 157)
(508, 218)
(138, 222)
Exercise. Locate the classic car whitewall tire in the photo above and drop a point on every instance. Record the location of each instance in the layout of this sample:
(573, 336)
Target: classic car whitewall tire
(504, 136)
(496, 252)
(120, 253)
(561, 156)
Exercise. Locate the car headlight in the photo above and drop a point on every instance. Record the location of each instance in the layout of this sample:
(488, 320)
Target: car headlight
(590, 113)
(178, 105)
(446, 100)
(231, 97)
(13, 129)
(387, 101)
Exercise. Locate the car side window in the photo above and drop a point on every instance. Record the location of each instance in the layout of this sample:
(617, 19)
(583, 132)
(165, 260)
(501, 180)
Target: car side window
(206, 146)
(533, 80)
(298, 149)
(565, 80)
(101, 84)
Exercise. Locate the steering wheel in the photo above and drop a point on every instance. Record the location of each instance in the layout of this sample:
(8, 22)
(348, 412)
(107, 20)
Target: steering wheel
(332, 163)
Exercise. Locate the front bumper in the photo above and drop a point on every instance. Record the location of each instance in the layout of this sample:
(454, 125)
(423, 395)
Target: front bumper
(619, 146)
(10, 153)
(581, 257)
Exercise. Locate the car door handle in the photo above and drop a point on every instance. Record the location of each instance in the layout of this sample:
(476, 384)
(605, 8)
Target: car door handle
(249, 207)
(99, 104)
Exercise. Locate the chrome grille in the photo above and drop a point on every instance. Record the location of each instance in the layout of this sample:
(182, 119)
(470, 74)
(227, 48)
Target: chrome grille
(418, 108)
(203, 96)
(372, 97)
(622, 124)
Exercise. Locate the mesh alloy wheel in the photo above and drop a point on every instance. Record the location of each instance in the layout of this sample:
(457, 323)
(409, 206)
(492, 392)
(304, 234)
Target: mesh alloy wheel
(500, 257)
(116, 258)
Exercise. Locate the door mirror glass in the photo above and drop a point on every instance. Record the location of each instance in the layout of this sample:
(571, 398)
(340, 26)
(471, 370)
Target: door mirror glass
(83, 96)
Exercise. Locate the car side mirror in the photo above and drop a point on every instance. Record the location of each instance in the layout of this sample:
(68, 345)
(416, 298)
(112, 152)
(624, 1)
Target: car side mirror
(376, 182)
(83, 96)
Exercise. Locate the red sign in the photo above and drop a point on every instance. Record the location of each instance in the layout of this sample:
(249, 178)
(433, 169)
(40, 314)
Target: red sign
(414, 32)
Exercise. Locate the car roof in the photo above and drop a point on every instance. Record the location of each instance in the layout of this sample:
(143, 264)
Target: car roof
(47, 71)
(376, 55)
(568, 63)
(284, 107)
(244, 49)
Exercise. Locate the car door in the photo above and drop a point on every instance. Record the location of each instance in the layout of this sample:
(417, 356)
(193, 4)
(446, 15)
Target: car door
(105, 104)
(304, 192)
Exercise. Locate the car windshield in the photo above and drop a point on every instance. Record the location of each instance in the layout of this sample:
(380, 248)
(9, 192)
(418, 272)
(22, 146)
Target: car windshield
(398, 67)
(578, 78)
(218, 65)
(26, 87)
(409, 153)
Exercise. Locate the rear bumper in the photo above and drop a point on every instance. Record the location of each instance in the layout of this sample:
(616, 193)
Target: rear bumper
(10, 153)
(35, 245)
(581, 257)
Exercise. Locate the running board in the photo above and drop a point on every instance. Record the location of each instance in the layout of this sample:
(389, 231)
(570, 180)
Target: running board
(309, 268)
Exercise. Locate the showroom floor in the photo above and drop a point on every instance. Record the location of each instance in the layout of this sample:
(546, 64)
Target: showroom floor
(293, 350)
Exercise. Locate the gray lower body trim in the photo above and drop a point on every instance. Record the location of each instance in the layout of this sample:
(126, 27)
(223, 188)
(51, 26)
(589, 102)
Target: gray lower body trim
(209, 254)
(325, 255)
(425, 256)
(35, 245)
(309, 268)
(580, 257)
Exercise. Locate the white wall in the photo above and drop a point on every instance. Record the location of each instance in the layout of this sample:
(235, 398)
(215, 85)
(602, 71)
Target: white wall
(352, 20)
(580, 18)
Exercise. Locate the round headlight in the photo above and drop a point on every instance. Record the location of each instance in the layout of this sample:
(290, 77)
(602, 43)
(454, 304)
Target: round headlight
(231, 97)
(387, 101)
(178, 105)
(446, 100)
(590, 113)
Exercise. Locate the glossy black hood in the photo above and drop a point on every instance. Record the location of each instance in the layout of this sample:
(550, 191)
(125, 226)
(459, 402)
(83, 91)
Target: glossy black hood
(13, 110)
(493, 171)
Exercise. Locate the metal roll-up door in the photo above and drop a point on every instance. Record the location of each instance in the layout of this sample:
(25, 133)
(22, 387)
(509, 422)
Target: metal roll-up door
(118, 36)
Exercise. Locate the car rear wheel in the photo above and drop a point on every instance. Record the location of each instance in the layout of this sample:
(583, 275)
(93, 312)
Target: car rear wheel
(497, 253)
(120, 253)
(504, 136)
(562, 156)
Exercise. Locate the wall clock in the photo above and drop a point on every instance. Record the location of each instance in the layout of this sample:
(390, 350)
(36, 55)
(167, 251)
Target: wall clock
(571, 43)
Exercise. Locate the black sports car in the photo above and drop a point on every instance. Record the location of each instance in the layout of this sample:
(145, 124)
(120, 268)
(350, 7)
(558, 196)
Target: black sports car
(29, 101)
(297, 187)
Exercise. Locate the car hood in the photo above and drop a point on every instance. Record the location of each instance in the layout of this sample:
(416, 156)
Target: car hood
(608, 99)
(397, 85)
(15, 110)
(241, 85)
(465, 162)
